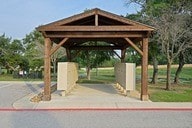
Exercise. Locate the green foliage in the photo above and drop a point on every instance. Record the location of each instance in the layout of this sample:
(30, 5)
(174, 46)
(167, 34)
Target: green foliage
(12, 54)
(132, 56)
(4, 46)
(33, 44)
(93, 58)
(172, 19)
(110, 63)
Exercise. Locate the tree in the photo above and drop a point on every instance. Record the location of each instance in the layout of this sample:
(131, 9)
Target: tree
(92, 59)
(16, 58)
(56, 56)
(184, 57)
(12, 54)
(154, 56)
(4, 47)
(133, 56)
(172, 35)
(154, 48)
(169, 17)
(34, 45)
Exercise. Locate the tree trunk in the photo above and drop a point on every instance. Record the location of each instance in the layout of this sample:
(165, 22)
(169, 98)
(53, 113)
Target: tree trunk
(88, 66)
(155, 70)
(96, 71)
(54, 68)
(88, 73)
(168, 76)
(179, 69)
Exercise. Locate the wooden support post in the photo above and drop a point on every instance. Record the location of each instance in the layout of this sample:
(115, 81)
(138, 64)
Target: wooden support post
(123, 51)
(144, 72)
(47, 70)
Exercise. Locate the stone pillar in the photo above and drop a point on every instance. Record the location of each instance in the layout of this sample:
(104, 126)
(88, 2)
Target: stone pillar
(47, 70)
(144, 71)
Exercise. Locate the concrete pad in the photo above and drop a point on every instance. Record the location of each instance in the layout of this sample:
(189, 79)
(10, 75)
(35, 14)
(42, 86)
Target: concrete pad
(96, 96)
(88, 96)
(24, 103)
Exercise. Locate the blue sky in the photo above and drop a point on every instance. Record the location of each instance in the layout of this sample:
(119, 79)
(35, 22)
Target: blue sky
(20, 17)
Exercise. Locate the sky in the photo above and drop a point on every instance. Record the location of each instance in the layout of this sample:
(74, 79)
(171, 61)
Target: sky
(20, 17)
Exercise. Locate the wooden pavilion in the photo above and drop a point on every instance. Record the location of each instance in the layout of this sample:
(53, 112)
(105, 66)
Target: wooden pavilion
(95, 25)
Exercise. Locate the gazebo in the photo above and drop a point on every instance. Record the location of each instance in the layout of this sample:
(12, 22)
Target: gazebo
(95, 25)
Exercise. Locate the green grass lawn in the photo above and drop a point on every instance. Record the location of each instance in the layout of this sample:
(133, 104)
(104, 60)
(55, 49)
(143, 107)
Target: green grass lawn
(102, 76)
(178, 93)
(157, 93)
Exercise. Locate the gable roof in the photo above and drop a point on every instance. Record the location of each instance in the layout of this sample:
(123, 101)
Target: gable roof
(88, 18)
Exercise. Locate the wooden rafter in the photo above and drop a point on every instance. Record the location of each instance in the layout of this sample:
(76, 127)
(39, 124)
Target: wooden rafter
(58, 46)
(134, 46)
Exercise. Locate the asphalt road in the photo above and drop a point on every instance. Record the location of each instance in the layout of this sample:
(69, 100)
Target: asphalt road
(12, 91)
(96, 119)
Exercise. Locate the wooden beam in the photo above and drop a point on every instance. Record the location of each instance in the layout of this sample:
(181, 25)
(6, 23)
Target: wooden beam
(144, 71)
(47, 70)
(95, 28)
(134, 46)
(95, 48)
(104, 34)
(58, 46)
